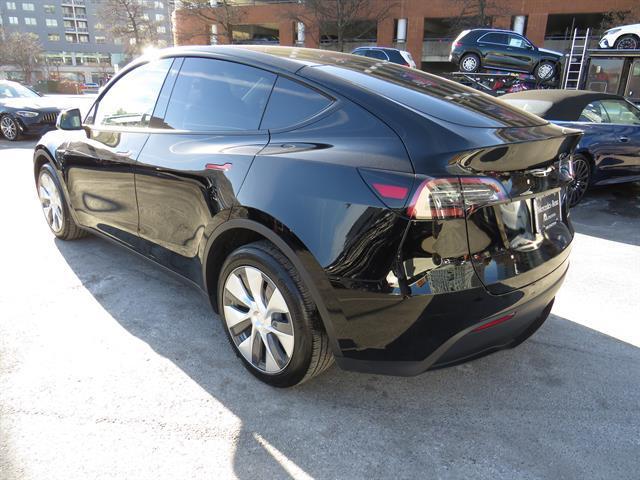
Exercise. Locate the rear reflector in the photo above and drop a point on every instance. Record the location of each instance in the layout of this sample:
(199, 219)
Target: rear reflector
(391, 191)
(392, 188)
(495, 322)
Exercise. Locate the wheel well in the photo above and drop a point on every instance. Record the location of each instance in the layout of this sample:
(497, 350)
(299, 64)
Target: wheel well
(226, 243)
(42, 157)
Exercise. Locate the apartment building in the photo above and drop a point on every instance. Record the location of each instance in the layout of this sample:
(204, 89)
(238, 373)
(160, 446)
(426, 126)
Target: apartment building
(425, 28)
(77, 45)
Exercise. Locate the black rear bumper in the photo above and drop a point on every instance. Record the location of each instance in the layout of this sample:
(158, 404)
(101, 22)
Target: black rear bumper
(531, 305)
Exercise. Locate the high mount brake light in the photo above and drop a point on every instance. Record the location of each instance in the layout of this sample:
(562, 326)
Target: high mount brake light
(452, 197)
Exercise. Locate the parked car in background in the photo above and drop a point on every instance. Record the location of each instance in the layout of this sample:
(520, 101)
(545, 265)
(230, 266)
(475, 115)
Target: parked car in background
(609, 150)
(389, 218)
(626, 37)
(24, 111)
(485, 48)
(393, 55)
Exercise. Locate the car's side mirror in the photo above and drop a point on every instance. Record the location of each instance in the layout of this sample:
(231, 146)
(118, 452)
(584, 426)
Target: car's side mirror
(69, 120)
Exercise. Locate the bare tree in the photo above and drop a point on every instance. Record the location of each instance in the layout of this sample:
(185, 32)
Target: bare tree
(356, 17)
(223, 13)
(616, 18)
(478, 13)
(129, 21)
(21, 50)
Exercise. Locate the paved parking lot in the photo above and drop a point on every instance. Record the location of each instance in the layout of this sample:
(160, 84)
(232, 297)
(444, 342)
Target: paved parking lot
(110, 368)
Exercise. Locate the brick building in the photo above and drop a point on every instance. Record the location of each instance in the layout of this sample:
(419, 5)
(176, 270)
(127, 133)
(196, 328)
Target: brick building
(425, 28)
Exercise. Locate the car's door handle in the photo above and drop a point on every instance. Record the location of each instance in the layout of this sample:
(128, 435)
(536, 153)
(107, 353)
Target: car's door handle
(623, 139)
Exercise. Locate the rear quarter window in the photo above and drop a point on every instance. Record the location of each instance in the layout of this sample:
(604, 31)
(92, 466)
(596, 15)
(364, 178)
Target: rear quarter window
(292, 103)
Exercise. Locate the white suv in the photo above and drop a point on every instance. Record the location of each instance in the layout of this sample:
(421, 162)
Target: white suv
(622, 38)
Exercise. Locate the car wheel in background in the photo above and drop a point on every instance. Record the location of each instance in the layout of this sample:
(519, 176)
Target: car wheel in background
(545, 71)
(627, 42)
(54, 206)
(270, 318)
(470, 62)
(9, 128)
(581, 180)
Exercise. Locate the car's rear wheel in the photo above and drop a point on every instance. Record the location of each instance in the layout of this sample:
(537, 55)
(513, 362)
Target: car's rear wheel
(581, 180)
(627, 42)
(9, 128)
(54, 206)
(545, 71)
(270, 318)
(470, 63)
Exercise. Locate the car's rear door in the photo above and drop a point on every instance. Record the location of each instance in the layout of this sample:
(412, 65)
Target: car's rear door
(98, 168)
(494, 50)
(206, 134)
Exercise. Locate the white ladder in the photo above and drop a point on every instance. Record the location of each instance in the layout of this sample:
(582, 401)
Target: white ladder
(576, 61)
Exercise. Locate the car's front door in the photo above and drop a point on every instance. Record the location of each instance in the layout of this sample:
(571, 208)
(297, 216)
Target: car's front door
(493, 46)
(625, 119)
(189, 172)
(98, 167)
(519, 54)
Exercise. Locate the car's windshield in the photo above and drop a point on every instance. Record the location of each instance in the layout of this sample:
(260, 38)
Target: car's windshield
(15, 90)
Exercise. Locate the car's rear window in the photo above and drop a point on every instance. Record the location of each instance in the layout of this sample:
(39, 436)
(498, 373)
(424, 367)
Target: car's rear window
(433, 95)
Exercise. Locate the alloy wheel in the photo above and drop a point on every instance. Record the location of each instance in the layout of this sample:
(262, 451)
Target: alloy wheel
(578, 187)
(469, 64)
(9, 128)
(628, 43)
(258, 319)
(545, 71)
(51, 202)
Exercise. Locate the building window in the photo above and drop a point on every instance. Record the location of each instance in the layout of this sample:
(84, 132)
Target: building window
(51, 22)
(11, 5)
(159, 17)
(28, 7)
(70, 38)
(81, 12)
(49, 9)
(13, 20)
(162, 29)
(69, 24)
(98, 26)
(158, 5)
(101, 39)
(30, 21)
(83, 38)
(82, 25)
(53, 37)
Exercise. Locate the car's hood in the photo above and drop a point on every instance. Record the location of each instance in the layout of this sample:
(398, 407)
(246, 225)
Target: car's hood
(37, 103)
(551, 52)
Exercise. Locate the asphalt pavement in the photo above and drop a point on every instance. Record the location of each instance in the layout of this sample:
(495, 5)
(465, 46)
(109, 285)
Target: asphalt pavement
(112, 369)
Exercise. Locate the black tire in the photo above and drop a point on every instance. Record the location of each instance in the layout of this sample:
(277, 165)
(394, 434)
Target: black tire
(627, 42)
(68, 230)
(470, 63)
(9, 128)
(545, 71)
(311, 352)
(582, 179)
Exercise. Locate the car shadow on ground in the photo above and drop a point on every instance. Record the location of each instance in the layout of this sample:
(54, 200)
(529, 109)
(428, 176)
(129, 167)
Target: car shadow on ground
(566, 395)
(611, 213)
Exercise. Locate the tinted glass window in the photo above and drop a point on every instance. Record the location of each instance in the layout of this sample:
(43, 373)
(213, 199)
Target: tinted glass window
(379, 54)
(517, 41)
(396, 57)
(594, 113)
(495, 38)
(621, 112)
(218, 95)
(292, 103)
(130, 101)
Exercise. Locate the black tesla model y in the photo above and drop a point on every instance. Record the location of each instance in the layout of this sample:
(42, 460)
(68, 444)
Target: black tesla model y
(330, 205)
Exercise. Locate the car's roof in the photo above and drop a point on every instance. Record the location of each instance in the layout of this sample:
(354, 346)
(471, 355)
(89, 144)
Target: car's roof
(379, 48)
(563, 105)
(497, 30)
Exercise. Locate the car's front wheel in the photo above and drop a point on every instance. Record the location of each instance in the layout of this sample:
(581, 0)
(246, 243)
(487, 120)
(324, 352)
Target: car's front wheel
(9, 128)
(627, 42)
(581, 180)
(470, 63)
(270, 318)
(54, 206)
(545, 71)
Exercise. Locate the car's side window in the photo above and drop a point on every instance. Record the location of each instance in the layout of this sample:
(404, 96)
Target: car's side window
(621, 112)
(130, 101)
(517, 41)
(594, 113)
(500, 38)
(218, 95)
(292, 103)
(378, 54)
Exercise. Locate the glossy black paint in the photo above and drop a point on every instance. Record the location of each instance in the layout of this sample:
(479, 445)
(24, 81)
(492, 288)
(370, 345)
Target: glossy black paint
(501, 56)
(395, 294)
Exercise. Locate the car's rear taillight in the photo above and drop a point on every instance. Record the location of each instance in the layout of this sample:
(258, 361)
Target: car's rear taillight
(453, 197)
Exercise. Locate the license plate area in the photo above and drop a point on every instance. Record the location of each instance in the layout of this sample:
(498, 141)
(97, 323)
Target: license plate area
(547, 211)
